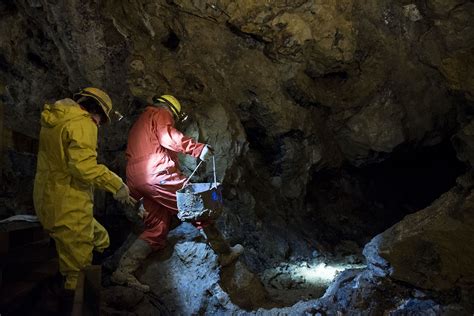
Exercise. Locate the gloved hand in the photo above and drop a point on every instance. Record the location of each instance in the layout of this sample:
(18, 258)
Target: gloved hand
(123, 196)
(142, 213)
(206, 152)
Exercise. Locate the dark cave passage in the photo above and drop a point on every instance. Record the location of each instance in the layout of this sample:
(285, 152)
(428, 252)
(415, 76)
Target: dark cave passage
(358, 203)
(410, 180)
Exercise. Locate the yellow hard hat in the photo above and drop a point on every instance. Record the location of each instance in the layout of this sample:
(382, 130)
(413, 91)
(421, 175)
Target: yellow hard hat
(172, 103)
(100, 96)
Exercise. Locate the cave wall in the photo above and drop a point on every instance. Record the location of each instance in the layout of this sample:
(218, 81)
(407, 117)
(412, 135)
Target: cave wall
(282, 90)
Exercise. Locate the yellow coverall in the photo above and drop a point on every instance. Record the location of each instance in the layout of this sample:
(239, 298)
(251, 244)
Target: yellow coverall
(67, 172)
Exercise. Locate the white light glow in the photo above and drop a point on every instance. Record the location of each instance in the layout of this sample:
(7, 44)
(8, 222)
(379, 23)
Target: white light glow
(321, 273)
(312, 277)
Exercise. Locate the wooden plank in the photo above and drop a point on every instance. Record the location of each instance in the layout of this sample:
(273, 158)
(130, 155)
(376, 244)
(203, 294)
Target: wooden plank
(93, 289)
(78, 304)
(18, 225)
(88, 291)
(14, 236)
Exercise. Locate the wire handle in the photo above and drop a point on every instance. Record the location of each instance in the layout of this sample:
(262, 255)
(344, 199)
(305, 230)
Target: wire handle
(214, 167)
(189, 178)
(192, 174)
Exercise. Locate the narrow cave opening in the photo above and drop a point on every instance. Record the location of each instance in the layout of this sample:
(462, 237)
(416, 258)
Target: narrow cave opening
(171, 41)
(36, 60)
(356, 203)
(411, 180)
(336, 75)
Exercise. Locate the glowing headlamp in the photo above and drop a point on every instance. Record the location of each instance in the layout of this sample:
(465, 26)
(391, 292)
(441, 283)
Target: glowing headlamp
(180, 116)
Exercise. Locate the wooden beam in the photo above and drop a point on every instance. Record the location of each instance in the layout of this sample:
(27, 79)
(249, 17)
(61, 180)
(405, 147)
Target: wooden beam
(78, 305)
(88, 291)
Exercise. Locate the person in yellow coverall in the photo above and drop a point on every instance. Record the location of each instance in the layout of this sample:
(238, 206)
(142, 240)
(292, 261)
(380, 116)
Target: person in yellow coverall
(67, 173)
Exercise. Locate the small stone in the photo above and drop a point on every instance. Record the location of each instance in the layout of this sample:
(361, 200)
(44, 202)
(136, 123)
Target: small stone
(411, 11)
(137, 65)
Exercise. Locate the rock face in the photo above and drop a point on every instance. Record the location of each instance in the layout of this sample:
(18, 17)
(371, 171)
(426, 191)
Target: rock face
(281, 90)
(294, 96)
(463, 141)
(431, 248)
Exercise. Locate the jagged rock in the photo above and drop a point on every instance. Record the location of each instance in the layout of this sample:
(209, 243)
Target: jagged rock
(122, 298)
(453, 55)
(431, 248)
(187, 279)
(244, 288)
(303, 29)
(362, 293)
(377, 127)
(463, 141)
(443, 8)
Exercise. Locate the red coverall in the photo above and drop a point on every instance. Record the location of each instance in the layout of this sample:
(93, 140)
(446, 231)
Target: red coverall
(153, 169)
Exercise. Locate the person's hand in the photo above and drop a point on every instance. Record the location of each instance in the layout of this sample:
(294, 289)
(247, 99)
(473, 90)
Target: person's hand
(123, 196)
(142, 213)
(206, 152)
(211, 149)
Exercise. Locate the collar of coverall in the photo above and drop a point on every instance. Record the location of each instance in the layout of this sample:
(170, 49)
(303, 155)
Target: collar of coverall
(167, 109)
(178, 118)
(95, 117)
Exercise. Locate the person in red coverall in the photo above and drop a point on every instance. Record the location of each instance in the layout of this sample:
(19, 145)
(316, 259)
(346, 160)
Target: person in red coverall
(153, 174)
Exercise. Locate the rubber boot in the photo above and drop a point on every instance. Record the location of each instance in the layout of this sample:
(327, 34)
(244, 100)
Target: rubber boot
(129, 263)
(225, 253)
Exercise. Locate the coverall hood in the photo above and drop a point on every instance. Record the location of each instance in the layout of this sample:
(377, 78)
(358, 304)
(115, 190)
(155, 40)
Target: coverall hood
(60, 112)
